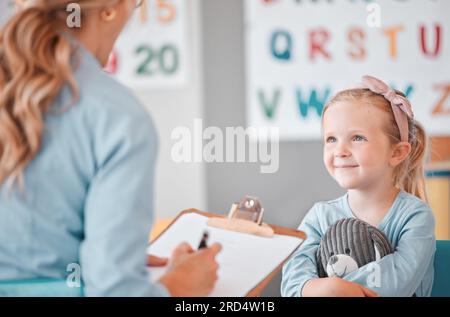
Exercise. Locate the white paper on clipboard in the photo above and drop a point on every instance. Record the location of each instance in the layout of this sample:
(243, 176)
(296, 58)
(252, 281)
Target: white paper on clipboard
(245, 260)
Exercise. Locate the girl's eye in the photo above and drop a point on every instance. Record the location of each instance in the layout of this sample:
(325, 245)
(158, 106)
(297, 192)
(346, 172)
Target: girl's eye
(331, 139)
(359, 138)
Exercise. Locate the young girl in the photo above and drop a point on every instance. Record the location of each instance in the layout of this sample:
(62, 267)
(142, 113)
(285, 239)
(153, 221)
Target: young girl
(374, 148)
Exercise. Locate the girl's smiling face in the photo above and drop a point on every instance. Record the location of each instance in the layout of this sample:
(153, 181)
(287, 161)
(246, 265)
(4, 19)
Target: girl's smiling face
(357, 150)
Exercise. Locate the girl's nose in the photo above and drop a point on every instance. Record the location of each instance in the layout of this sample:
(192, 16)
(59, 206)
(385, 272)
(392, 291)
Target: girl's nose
(342, 154)
(342, 151)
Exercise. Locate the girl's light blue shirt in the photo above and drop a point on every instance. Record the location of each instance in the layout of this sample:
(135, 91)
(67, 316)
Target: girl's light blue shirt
(88, 193)
(409, 226)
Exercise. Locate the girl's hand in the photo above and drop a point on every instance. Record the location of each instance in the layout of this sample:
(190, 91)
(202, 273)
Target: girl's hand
(342, 288)
(336, 287)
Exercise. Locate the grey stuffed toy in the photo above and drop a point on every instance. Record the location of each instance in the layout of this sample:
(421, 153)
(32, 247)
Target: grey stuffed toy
(348, 245)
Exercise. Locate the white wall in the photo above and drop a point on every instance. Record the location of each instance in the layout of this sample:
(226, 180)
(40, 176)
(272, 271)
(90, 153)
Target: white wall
(302, 178)
(179, 186)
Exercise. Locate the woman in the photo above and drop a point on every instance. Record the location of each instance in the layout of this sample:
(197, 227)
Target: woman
(77, 157)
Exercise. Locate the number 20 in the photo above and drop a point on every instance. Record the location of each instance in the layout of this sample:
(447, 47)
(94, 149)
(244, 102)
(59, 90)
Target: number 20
(166, 58)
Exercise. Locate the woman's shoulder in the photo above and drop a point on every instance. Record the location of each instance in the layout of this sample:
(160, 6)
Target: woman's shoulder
(103, 93)
(110, 110)
(104, 100)
(99, 91)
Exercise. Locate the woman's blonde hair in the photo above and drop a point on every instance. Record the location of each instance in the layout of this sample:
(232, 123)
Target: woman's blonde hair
(408, 175)
(35, 63)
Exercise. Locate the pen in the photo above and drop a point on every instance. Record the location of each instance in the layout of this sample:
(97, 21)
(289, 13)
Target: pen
(203, 242)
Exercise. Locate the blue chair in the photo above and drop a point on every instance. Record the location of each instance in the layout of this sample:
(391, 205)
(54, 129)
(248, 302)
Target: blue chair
(39, 288)
(441, 285)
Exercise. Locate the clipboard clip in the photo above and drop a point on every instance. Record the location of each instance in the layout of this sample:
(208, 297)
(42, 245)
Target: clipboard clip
(245, 216)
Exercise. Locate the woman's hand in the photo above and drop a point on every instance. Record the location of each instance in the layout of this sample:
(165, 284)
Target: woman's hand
(335, 286)
(191, 273)
(153, 260)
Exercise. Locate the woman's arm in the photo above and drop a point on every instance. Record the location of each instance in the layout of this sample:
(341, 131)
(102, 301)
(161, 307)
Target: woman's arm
(119, 206)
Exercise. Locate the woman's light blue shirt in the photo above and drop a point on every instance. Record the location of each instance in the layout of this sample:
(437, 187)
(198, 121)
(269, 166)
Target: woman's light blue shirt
(88, 193)
(409, 226)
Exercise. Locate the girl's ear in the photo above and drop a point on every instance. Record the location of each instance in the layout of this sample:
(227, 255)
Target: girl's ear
(400, 152)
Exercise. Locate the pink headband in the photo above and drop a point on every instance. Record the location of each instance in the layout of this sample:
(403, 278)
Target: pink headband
(400, 105)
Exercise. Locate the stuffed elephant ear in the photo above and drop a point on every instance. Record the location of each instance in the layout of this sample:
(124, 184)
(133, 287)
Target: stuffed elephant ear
(321, 270)
(381, 243)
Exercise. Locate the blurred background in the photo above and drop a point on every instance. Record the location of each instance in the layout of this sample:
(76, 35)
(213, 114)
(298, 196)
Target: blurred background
(274, 63)
(230, 54)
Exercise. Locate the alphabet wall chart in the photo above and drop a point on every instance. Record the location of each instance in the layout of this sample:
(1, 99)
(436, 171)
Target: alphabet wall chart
(151, 53)
(152, 50)
(300, 52)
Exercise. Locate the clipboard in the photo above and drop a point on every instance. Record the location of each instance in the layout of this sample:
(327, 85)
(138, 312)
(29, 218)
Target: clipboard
(278, 230)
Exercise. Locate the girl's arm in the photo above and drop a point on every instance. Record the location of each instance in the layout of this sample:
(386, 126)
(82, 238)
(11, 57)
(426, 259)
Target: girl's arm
(302, 267)
(400, 273)
(335, 286)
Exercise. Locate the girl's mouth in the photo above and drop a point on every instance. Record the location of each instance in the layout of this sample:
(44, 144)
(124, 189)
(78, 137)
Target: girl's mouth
(345, 166)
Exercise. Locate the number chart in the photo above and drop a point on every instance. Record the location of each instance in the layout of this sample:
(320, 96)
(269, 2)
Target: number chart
(152, 50)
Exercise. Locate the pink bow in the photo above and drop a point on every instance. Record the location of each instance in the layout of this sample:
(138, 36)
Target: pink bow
(400, 105)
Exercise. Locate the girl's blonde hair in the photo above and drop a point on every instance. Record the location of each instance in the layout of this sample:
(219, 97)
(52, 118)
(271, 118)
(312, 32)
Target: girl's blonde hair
(35, 63)
(408, 175)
